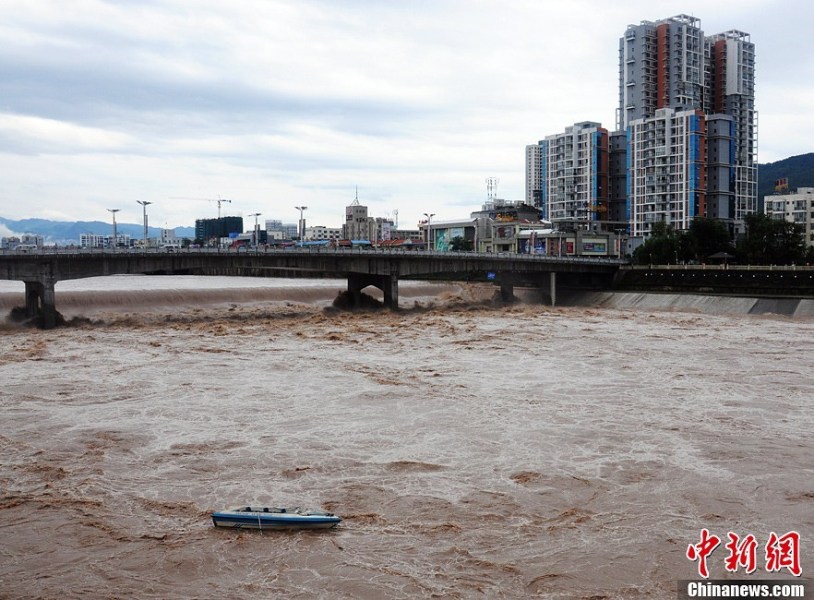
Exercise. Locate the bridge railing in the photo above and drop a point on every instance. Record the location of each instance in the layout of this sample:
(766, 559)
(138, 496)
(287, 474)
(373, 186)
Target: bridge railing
(311, 251)
(722, 267)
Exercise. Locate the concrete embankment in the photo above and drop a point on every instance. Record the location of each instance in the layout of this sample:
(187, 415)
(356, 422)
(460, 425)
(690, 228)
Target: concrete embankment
(706, 304)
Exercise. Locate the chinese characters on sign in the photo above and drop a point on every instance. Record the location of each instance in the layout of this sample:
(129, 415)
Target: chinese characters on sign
(780, 552)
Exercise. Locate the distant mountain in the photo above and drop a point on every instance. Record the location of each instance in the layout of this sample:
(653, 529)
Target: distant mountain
(799, 170)
(63, 232)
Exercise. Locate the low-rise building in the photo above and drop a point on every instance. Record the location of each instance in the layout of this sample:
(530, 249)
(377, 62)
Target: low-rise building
(91, 240)
(277, 230)
(27, 241)
(320, 232)
(797, 208)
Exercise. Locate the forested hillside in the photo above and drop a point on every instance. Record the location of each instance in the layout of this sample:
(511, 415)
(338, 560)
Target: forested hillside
(799, 170)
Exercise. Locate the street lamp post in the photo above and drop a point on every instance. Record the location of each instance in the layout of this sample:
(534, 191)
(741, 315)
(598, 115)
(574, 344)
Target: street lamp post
(113, 211)
(256, 236)
(301, 226)
(429, 229)
(144, 204)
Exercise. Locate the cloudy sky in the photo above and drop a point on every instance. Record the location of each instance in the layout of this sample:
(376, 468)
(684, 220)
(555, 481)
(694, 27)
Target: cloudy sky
(276, 104)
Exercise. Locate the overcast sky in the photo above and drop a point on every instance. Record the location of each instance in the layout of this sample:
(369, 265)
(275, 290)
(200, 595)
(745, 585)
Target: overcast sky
(277, 104)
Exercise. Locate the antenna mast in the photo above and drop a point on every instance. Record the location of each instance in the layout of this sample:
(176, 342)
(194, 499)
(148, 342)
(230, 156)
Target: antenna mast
(491, 187)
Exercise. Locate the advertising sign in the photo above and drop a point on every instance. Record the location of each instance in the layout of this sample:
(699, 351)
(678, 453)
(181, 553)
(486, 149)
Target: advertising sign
(594, 246)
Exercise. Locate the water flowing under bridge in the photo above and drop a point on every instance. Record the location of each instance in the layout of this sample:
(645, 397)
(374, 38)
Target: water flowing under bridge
(41, 270)
(382, 269)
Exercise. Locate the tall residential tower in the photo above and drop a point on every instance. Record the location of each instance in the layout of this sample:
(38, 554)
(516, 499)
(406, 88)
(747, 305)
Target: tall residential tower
(686, 102)
(574, 174)
(730, 91)
(661, 65)
(686, 139)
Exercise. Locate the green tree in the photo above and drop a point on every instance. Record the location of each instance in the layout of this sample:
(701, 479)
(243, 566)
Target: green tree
(771, 241)
(661, 248)
(459, 244)
(706, 237)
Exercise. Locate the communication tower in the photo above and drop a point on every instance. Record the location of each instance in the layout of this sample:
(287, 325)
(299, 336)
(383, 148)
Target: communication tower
(491, 187)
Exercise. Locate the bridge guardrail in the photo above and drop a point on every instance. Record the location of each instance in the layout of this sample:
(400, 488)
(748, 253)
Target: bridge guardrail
(311, 251)
(623, 263)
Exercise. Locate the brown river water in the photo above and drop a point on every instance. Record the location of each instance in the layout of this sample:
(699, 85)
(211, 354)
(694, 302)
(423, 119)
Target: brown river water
(473, 450)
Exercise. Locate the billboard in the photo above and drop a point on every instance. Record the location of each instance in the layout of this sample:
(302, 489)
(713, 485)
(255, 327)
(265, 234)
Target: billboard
(594, 246)
(443, 237)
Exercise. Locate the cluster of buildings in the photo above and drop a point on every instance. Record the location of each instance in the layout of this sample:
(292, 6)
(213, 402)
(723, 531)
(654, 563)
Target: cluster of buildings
(26, 241)
(684, 143)
(359, 229)
(165, 239)
(500, 226)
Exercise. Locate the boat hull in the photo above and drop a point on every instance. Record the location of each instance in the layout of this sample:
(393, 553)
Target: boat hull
(276, 519)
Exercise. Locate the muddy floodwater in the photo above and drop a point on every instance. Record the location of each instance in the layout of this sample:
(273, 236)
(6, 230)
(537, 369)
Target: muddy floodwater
(473, 450)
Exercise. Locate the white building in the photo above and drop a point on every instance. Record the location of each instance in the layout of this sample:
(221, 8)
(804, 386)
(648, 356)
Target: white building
(27, 241)
(91, 240)
(320, 232)
(277, 230)
(168, 239)
(533, 183)
(573, 179)
(667, 170)
(797, 208)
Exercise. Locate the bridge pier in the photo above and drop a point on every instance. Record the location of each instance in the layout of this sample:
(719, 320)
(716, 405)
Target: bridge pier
(506, 281)
(40, 300)
(388, 284)
(390, 287)
(552, 287)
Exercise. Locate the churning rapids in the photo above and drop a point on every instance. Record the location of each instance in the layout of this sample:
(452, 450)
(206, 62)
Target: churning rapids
(473, 450)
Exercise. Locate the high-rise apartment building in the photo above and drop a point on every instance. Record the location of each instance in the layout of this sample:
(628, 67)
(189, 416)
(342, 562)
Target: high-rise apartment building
(533, 184)
(730, 90)
(686, 139)
(618, 215)
(669, 66)
(661, 65)
(574, 174)
(666, 172)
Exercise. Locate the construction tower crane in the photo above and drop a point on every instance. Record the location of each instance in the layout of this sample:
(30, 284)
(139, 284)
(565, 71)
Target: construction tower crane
(219, 200)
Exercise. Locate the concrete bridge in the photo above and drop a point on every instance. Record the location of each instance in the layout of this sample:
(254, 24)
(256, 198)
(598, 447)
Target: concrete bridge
(379, 268)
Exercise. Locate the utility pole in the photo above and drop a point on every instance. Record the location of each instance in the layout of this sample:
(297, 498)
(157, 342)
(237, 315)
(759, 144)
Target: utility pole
(429, 229)
(113, 211)
(256, 236)
(144, 204)
(301, 227)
